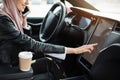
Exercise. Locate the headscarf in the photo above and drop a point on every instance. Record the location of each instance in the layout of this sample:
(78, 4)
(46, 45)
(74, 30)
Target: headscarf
(9, 9)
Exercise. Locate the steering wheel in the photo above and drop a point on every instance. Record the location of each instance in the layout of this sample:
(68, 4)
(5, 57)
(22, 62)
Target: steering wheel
(53, 22)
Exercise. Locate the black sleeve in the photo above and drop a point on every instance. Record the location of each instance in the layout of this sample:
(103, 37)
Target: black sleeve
(9, 32)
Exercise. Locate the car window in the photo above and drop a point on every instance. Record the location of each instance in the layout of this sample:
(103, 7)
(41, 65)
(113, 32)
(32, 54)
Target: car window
(0, 1)
(39, 8)
(111, 6)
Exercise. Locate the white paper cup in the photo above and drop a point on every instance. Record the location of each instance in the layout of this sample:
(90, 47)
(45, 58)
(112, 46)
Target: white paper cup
(25, 59)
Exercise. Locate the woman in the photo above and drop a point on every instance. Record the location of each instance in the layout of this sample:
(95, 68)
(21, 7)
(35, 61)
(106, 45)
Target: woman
(13, 40)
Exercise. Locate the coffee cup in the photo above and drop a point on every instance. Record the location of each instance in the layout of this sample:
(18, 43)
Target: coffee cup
(25, 59)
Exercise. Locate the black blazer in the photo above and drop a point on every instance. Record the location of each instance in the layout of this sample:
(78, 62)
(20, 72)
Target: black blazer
(12, 41)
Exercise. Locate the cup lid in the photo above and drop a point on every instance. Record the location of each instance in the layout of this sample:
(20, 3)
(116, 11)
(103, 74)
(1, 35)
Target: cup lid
(25, 54)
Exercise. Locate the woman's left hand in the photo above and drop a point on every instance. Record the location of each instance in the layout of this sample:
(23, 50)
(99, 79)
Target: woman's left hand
(24, 21)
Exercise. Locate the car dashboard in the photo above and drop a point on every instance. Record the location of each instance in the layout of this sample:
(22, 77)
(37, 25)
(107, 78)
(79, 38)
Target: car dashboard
(97, 28)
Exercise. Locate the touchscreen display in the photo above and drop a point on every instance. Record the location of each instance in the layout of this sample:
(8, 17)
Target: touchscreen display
(84, 22)
(99, 36)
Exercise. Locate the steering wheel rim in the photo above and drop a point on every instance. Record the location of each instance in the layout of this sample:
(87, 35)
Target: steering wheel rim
(46, 33)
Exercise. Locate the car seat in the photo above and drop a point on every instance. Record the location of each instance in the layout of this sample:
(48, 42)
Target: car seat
(8, 72)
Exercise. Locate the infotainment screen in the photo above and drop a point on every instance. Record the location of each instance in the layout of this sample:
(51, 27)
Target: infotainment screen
(99, 36)
(84, 22)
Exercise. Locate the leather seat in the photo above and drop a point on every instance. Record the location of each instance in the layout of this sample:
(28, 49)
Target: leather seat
(13, 73)
(7, 72)
(45, 76)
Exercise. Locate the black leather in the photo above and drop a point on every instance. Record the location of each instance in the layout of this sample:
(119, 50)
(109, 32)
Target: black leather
(107, 64)
(82, 77)
(12, 41)
(44, 76)
(8, 72)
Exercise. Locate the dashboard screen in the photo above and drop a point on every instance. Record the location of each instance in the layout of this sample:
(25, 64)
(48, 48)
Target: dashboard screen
(101, 33)
(84, 22)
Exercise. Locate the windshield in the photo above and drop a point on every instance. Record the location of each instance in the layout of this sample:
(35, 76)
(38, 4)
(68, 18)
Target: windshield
(39, 8)
(111, 6)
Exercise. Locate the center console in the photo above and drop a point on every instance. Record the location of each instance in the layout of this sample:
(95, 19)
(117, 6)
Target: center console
(8, 72)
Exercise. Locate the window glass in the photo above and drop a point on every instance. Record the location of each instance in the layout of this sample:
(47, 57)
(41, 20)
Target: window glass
(0, 1)
(111, 6)
(39, 8)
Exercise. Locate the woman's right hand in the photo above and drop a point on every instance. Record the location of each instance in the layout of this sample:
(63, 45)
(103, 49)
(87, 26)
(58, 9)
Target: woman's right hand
(82, 49)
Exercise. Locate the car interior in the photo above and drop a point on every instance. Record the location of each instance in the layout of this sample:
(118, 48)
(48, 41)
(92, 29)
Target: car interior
(80, 27)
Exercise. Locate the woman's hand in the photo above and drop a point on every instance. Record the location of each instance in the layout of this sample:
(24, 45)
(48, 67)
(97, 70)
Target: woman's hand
(24, 21)
(24, 16)
(82, 49)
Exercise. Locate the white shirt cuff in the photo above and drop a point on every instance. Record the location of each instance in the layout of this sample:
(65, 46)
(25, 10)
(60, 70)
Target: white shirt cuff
(61, 56)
